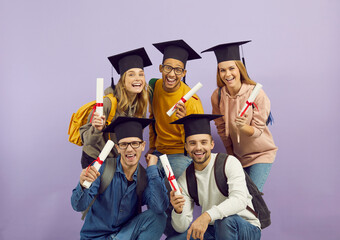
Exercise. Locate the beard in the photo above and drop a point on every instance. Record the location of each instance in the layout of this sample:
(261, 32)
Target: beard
(200, 161)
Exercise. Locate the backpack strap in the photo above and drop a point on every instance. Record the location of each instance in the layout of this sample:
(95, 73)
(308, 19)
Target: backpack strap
(113, 108)
(219, 171)
(221, 178)
(152, 84)
(105, 180)
(192, 183)
(142, 182)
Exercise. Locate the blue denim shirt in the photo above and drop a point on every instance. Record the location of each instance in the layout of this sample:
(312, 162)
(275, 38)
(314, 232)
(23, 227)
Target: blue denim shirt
(118, 203)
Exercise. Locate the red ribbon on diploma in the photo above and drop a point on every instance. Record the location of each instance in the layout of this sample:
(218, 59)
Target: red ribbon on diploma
(171, 178)
(94, 109)
(248, 104)
(183, 100)
(97, 160)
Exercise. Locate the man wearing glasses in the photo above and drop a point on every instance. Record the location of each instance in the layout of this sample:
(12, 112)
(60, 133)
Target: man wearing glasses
(115, 214)
(166, 138)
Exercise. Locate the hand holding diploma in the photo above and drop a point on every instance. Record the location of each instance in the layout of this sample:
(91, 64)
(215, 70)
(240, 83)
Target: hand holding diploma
(240, 120)
(96, 166)
(169, 174)
(177, 201)
(98, 121)
(185, 98)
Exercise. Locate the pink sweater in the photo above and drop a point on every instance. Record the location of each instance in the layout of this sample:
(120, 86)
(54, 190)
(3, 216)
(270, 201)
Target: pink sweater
(258, 148)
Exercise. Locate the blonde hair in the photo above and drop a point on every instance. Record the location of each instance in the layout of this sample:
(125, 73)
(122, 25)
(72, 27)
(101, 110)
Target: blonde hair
(243, 72)
(123, 103)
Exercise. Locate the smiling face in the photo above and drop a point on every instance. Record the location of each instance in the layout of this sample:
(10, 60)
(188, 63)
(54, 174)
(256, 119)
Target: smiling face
(230, 75)
(199, 148)
(130, 156)
(172, 81)
(134, 81)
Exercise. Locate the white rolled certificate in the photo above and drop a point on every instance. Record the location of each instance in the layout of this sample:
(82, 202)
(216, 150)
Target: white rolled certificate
(185, 98)
(170, 174)
(251, 99)
(99, 96)
(99, 161)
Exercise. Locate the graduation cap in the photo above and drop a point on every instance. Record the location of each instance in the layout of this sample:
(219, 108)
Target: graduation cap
(177, 49)
(128, 127)
(137, 58)
(196, 123)
(227, 51)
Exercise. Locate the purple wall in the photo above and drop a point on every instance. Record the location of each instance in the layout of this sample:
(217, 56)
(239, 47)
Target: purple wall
(52, 52)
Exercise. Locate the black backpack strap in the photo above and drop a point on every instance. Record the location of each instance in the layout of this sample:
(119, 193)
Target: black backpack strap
(105, 180)
(192, 183)
(219, 171)
(142, 182)
(152, 84)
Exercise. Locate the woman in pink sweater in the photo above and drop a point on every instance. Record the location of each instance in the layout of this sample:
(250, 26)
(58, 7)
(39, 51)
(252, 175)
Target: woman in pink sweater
(247, 137)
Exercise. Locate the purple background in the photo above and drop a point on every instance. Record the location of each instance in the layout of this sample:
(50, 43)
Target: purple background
(52, 52)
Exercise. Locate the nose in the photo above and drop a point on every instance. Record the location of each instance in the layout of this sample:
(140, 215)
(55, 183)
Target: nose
(172, 72)
(129, 147)
(198, 146)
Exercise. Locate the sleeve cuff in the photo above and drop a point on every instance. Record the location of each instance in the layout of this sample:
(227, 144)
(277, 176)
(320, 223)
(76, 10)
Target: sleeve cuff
(152, 171)
(213, 214)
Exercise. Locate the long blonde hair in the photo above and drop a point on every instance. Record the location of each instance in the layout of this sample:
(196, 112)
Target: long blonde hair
(123, 103)
(243, 72)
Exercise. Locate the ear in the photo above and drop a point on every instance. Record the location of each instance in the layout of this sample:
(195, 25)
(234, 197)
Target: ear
(160, 67)
(143, 145)
(118, 150)
(212, 144)
(184, 73)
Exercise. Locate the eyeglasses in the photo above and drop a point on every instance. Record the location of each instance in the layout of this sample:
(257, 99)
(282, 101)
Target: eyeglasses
(168, 69)
(134, 145)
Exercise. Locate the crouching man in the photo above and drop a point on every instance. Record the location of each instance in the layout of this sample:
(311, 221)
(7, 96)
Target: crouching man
(116, 212)
(223, 217)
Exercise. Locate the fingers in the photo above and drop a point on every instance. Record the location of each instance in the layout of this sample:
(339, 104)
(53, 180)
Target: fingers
(189, 233)
(89, 174)
(98, 121)
(181, 110)
(151, 159)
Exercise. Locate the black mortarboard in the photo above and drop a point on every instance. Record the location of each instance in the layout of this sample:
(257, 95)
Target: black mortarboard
(196, 123)
(227, 51)
(128, 127)
(177, 49)
(137, 58)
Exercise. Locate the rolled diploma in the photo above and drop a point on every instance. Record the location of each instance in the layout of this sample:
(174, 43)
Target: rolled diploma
(99, 95)
(170, 174)
(251, 98)
(102, 156)
(186, 98)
